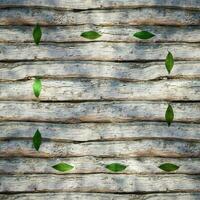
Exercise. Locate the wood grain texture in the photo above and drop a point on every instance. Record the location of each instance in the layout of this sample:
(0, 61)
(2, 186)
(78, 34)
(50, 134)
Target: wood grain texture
(104, 70)
(86, 89)
(71, 71)
(85, 165)
(100, 131)
(108, 183)
(109, 34)
(139, 16)
(97, 111)
(103, 51)
(138, 148)
(98, 196)
(102, 4)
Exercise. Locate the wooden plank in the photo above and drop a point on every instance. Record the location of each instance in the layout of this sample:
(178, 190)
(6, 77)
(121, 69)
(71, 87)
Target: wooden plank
(70, 196)
(98, 196)
(103, 51)
(139, 16)
(109, 33)
(107, 70)
(103, 4)
(85, 165)
(106, 183)
(100, 131)
(138, 148)
(97, 111)
(86, 89)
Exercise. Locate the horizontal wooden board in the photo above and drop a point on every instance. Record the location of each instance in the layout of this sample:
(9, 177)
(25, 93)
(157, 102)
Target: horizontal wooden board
(106, 70)
(109, 33)
(86, 89)
(84, 165)
(138, 148)
(98, 196)
(103, 4)
(100, 131)
(101, 52)
(97, 111)
(108, 183)
(139, 16)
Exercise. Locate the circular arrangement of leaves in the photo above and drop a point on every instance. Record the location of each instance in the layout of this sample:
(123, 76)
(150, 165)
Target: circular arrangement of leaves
(113, 167)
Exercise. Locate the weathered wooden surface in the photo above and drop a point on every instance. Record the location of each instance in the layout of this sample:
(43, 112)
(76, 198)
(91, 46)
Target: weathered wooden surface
(138, 148)
(102, 4)
(98, 196)
(106, 183)
(94, 110)
(86, 89)
(103, 51)
(109, 33)
(152, 16)
(104, 70)
(97, 111)
(87, 165)
(84, 132)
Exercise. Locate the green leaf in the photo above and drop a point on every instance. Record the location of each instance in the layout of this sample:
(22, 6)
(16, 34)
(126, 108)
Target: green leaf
(144, 35)
(37, 140)
(63, 167)
(169, 115)
(37, 87)
(37, 34)
(116, 167)
(169, 62)
(168, 167)
(92, 35)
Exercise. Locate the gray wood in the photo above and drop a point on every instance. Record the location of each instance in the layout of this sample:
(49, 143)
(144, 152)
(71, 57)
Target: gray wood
(106, 70)
(107, 183)
(98, 196)
(103, 51)
(100, 4)
(138, 148)
(97, 111)
(85, 165)
(140, 16)
(109, 33)
(86, 89)
(71, 70)
(100, 131)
